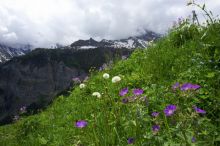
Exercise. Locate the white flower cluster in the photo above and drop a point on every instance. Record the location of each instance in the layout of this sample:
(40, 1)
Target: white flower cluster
(81, 86)
(116, 79)
(106, 76)
(97, 94)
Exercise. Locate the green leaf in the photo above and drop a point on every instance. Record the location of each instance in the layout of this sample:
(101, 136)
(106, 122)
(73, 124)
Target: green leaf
(42, 140)
(203, 96)
(210, 75)
(218, 138)
(134, 122)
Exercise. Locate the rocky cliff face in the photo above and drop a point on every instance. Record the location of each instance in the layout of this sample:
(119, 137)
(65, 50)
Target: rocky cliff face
(33, 80)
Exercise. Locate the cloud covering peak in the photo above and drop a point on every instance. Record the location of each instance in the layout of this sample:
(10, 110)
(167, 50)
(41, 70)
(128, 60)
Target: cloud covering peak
(46, 22)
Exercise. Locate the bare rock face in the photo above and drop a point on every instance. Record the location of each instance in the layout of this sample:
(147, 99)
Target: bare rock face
(33, 80)
(26, 85)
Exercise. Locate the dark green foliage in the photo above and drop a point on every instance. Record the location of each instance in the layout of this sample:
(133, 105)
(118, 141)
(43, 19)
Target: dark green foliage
(81, 59)
(184, 33)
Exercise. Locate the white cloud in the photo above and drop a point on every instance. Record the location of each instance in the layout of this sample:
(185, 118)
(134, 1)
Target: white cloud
(3, 29)
(9, 37)
(46, 22)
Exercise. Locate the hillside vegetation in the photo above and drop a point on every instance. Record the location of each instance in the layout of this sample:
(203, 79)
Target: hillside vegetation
(169, 94)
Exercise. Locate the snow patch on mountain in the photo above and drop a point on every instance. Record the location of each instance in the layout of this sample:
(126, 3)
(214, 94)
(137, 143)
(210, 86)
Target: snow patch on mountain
(87, 47)
(141, 41)
(8, 52)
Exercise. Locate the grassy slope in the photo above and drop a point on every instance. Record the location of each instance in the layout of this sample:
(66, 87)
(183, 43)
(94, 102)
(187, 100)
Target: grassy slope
(156, 69)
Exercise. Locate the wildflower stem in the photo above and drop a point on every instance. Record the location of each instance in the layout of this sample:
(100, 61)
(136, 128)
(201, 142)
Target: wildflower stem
(184, 133)
(96, 139)
(167, 126)
(204, 11)
(117, 134)
(185, 137)
(106, 109)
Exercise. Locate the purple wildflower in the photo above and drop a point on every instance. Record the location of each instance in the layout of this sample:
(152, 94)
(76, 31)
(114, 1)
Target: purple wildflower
(138, 91)
(76, 80)
(189, 86)
(81, 124)
(175, 86)
(123, 92)
(185, 86)
(155, 114)
(193, 139)
(198, 110)
(195, 86)
(156, 128)
(130, 140)
(125, 100)
(169, 110)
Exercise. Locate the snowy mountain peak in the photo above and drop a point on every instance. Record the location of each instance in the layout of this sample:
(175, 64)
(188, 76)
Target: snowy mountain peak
(7, 52)
(140, 41)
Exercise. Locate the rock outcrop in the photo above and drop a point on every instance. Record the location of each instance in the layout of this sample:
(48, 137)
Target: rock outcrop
(33, 80)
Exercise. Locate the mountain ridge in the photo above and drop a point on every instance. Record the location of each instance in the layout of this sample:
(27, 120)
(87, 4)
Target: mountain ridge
(140, 41)
(8, 52)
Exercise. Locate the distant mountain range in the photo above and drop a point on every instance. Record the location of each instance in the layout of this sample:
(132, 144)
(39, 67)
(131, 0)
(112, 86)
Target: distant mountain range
(141, 41)
(7, 52)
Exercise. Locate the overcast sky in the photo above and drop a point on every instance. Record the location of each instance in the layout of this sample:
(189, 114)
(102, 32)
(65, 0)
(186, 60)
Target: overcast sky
(46, 22)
